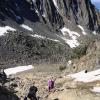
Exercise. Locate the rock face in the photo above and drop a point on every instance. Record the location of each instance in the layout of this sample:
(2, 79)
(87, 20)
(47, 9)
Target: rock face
(42, 19)
(56, 12)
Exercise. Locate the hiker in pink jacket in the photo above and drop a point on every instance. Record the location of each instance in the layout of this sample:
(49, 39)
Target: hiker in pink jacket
(50, 84)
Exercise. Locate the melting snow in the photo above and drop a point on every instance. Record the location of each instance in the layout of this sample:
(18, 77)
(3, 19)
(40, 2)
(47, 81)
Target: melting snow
(73, 42)
(81, 27)
(44, 15)
(38, 36)
(69, 63)
(5, 30)
(83, 31)
(96, 89)
(72, 34)
(94, 32)
(26, 27)
(86, 77)
(34, 1)
(53, 40)
(15, 70)
(43, 37)
(55, 3)
(37, 11)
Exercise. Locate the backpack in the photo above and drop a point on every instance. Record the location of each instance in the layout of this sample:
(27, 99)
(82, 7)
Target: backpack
(25, 98)
(32, 92)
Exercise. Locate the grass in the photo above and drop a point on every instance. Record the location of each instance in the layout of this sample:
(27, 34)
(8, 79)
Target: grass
(47, 67)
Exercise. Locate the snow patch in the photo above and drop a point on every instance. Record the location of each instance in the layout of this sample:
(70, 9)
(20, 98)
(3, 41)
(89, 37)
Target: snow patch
(53, 40)
(86, 77)
(84, 33)
(34, 1)
(5, 30)
(26, 27)
(94, 32)
(72, 34)
(73, 42)
(37, 11)
(38, 36)
(96, 89)
(69, 62)
(43, 37)
(55, 3)
(44, 15)
(15, 70)
(82, 29)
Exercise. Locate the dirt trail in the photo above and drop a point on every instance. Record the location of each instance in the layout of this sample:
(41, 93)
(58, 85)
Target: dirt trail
(74, 95)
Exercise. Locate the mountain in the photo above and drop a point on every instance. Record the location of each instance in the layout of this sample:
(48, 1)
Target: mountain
(97, 4)
(44, 31)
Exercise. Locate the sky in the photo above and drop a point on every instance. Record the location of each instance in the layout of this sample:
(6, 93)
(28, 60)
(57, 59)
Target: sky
(97, 3)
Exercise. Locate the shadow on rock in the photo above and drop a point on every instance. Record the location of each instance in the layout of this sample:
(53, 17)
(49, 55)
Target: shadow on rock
(6, 94)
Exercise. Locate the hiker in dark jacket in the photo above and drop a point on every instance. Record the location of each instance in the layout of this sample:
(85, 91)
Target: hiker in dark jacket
(32, 93)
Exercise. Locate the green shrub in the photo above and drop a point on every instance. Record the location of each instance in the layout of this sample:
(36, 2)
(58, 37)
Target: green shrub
(61, 68)
(80, 51)
(86, 43)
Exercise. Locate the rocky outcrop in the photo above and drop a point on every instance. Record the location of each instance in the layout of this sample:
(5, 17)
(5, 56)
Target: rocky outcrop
(5, 94)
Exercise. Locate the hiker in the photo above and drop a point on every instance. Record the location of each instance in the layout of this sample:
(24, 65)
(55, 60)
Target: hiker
(50, 84)
(3, 76)
(32, 93)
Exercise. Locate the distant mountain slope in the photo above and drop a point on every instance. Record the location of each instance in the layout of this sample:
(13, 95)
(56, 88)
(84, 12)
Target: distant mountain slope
(44, 30)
